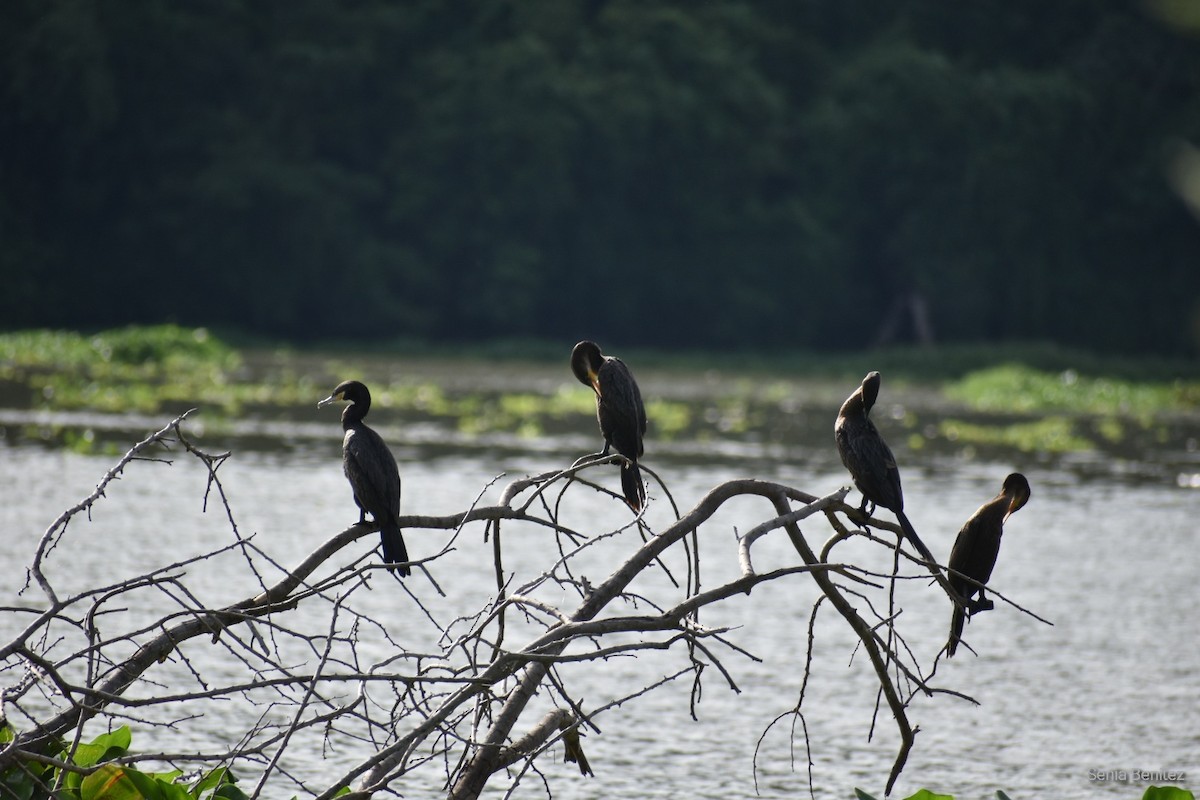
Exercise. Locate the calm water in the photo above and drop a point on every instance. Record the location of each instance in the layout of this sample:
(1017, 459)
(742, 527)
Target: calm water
(1106, 551)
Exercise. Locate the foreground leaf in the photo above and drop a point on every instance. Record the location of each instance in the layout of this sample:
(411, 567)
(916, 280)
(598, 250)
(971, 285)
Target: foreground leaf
(104, 747)
(111, 782)
(1167, 793)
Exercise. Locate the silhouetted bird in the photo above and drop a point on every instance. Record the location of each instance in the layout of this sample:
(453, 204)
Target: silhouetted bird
(573, 751)
(371, 470)
(869, 459)
(975, 550)
(619, 409)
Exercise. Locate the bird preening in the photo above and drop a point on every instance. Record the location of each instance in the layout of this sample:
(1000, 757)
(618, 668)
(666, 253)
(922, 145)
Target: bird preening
(372, 472)
(620, 412)
(870, 461)
(975, 550)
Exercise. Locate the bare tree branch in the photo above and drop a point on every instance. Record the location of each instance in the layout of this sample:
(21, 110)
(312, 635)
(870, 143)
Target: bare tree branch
(294, 641)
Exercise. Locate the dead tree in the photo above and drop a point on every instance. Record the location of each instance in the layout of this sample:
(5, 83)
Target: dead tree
(461, 711)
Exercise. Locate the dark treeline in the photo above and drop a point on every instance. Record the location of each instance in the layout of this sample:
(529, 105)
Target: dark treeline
(716, 174)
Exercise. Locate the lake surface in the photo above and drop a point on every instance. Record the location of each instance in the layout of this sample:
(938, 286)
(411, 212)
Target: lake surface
(1106, 550)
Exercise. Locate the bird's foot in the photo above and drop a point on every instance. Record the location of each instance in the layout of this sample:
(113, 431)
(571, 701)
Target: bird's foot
(978, 606)
(587, 458)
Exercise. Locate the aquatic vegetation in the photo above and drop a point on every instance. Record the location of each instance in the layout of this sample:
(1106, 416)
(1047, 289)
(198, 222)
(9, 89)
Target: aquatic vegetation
(1068, 411)
(1020, 389)
(171, 368)
(129, 346)
(1054, 434)
(670, 419)
(530, 415)
(125, 369)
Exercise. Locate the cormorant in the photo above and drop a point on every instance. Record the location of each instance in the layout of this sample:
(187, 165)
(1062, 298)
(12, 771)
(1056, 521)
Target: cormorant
(371, 470)
(618, 408)
(869, 459)
(975, 550)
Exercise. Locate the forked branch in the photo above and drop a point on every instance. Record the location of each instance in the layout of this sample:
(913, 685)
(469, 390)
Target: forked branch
(464, 705)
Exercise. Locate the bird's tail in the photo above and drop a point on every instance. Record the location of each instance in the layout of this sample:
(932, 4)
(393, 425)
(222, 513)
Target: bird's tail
(394, 551)
(911, 534)
(631, 485)
(956, 626)
(573, 751)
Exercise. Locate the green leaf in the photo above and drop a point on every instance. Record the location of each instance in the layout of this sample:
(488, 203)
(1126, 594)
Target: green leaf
(1000, 795)
(158, 784)
(211, 780)
(148, 786)
(120, 738)
(223, 781)
(111, 782)
(104, 747)
(169, 790)
(208, 780)
(230, 792)
(1167, 793)
(88, 755)
(17, 783)
(861, 795)
(925, 794)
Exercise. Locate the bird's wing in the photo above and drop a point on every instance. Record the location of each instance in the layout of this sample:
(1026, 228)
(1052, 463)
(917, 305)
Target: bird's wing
(977, 546)
(372, 472)
(869, 459)
(622, 415)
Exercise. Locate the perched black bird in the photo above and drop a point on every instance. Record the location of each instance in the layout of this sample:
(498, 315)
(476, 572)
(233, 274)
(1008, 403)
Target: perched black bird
(975, 550)
(619, 409)
(371, 470)
(869, 459)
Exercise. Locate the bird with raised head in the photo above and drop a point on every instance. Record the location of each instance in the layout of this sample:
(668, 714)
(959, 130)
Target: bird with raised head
(372, 472)
(619, 410)
(869, 460)
(975, 550)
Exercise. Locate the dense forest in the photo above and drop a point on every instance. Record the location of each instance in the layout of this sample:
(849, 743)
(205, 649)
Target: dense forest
(725, 174)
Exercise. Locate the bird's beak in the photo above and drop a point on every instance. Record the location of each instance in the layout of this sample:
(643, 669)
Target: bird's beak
(594, 379)
(1016, 504)
(332, 398)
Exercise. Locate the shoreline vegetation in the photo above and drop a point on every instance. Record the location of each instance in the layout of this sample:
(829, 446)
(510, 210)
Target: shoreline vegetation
(1028, 398)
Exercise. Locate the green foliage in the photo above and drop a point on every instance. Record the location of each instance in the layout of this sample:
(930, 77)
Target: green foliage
(1167, 793)
(922, 794)
(104, 747)
(524, 413)
(1054, 434)
(126, 369)
(1067, 411)
(1040, 407)
(712, 175)
(145, 369)
(1016, 388)
(100, 777)
(131, 346)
